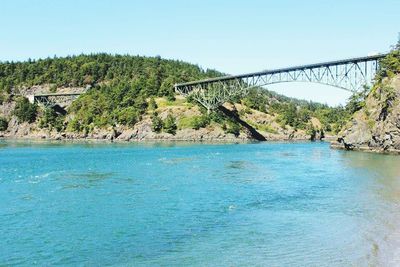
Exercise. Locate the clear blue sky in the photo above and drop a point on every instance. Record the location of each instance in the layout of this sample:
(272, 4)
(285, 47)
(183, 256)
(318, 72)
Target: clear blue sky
(230, 36)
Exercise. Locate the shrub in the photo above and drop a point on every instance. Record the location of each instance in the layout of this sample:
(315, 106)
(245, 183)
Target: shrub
(310, 130)
(170, 124)
(128, 116)
(152, 104)
(200, 122)
(140, 104)
(74, 126)
(24, 110)
(233, 128)
(53, 88)
(3, 124)
(389, 65)
(256, 99)
(217, 117)
(51, 119)
(242, 112)
(171, 96)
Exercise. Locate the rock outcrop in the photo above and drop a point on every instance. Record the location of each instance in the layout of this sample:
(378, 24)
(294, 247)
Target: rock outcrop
(376, 127)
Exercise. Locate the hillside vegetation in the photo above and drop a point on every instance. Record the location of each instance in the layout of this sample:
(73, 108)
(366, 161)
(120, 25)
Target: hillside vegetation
(134, 93)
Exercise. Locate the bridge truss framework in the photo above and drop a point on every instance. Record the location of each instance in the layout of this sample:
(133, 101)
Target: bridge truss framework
(52, 99)
(349, 74)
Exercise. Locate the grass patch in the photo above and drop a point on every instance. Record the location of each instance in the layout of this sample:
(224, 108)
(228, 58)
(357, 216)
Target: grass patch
(162, 102)
(186, 123)
(371, 124)
(263, 127)
(194, 122)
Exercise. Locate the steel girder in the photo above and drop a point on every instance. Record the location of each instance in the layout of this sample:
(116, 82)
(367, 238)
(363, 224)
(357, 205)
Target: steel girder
(51, 100)
(350, 75)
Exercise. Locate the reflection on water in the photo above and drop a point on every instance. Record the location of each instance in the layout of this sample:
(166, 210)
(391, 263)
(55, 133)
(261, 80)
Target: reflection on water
(384, 174)
(84, 180)
(286, 154)
(237, 164)
(174, 160)
(90, 176)
(266, 204)
(384, 169)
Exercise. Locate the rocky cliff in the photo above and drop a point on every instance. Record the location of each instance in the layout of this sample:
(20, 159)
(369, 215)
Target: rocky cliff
(376, 126)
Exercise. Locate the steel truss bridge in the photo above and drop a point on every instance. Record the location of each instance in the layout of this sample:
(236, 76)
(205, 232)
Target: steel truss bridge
(348, 74)
(52, 99)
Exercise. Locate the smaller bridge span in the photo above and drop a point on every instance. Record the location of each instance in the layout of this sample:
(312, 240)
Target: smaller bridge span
(52, 99)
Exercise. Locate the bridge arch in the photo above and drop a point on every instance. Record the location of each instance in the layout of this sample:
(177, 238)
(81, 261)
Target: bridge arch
(350, 75)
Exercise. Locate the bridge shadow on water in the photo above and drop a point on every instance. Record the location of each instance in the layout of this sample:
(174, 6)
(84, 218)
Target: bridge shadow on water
(252, 132)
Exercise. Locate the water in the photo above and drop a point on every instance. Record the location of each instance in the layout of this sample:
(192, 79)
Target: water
(267, 204)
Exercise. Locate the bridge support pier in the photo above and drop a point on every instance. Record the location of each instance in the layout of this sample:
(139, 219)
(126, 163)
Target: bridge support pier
(212, 96)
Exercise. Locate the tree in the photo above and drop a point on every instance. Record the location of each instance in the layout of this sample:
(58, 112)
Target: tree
(24, 110)
(140, 104)
(128, 116)
(152, 104)
(311, 131)
(357, 101)
(3, 124)
(200, 122)
(170, 124)
(288, 114)
(156, 123)
(50, 119)
(255, 99)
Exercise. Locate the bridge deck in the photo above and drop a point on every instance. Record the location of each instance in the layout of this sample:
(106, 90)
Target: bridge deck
(265, 72)
(57, 94)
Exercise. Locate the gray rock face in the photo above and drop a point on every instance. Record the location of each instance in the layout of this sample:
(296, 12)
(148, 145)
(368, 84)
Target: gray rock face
(376, 127)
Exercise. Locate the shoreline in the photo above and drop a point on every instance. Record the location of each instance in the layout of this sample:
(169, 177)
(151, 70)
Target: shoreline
(155, 140)
(333, 144)
(367, 149)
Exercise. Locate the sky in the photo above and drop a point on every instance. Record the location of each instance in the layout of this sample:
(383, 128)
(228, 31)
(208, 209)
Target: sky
(230, 36)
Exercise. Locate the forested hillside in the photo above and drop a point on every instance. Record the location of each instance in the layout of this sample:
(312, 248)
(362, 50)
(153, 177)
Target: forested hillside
(124, 91)
(153, 75)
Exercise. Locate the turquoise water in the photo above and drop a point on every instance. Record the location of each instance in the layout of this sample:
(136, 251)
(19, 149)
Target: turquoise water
(266, 204)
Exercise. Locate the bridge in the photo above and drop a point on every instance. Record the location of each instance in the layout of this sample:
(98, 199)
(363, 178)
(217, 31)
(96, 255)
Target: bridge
(348, 74)
(53, 99)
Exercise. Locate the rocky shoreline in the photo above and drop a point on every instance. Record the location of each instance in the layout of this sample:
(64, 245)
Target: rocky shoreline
(376, 126)
(365, 148)
(143, 131)
(136, 135)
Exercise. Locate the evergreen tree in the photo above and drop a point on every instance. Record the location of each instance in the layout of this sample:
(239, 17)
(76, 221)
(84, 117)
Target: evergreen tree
(157, 123)
(170, 124)
(3, 124)
(24, 110)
